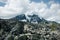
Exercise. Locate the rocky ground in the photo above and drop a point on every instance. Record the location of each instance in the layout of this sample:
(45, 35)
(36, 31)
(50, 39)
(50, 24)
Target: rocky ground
(17, 30)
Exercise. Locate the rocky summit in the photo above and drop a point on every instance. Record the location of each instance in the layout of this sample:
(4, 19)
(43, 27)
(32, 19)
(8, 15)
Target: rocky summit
(15, 29)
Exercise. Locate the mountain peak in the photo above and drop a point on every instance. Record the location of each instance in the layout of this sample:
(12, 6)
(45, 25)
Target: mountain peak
(29, 18)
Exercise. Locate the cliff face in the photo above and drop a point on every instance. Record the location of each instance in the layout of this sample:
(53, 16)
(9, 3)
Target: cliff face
(18, 30)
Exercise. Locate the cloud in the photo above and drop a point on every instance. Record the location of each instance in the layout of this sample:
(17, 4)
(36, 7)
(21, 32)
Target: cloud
(3, 0)
(13, 8)
(53, 12)
(50, 11)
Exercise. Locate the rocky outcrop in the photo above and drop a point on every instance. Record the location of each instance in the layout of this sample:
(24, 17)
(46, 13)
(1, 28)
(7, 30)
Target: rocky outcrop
(18, 30)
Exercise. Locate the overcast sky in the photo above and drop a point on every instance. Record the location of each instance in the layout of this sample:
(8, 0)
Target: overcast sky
(48, 9)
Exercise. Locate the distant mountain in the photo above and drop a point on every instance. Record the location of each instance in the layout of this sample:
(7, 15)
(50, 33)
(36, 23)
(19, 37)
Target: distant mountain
(34, 18)
(21, 17)
(29, 18)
